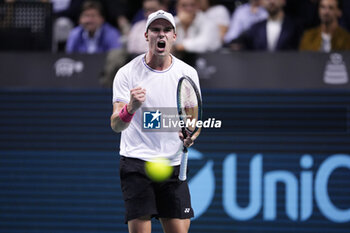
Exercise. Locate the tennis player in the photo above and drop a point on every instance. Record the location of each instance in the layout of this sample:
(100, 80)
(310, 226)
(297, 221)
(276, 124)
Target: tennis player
(150, 80)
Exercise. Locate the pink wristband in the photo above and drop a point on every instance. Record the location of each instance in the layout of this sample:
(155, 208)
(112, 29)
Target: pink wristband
(124, 115)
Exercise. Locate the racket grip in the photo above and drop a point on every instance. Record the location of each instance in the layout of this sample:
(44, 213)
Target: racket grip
(183, 165)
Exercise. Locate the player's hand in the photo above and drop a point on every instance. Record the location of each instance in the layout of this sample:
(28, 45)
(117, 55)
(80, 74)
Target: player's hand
(188, 141)
(137, 97)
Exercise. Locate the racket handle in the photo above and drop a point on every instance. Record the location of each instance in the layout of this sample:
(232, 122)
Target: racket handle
(183, 165)
(184, 134)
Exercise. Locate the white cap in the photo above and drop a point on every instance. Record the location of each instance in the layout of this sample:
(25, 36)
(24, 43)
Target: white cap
(160, 15)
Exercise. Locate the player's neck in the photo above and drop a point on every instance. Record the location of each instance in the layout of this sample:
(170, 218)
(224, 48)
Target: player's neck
(158, 62)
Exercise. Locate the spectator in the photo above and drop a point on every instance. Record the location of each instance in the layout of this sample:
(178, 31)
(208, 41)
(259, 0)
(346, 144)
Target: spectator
(64, 12)
(346, 14)
(244, 17)
(11, 1)
(303, 11)
(167, 5)
(117, 15)
(328, 35)
(136, 43)
(67, 8)
(93, 35)
(195, 32)
(217, 13)
(278, 32)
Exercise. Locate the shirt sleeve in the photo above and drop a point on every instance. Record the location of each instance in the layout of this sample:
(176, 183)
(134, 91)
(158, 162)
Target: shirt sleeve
(132, 39)
(113, 38)
(121, 90)
(72, 38)
(207, 38)
(136, 40)
(224, 18)
(235, 28)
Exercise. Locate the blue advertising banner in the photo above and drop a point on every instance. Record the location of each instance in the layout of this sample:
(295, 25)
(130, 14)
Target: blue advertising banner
(279, 163)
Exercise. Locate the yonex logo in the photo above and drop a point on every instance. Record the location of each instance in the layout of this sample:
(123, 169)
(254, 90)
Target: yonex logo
(152, 119)
(187, 210)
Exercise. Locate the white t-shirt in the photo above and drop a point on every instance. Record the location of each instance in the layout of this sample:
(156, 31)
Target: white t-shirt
(218, 14)
(136, 39)
(160, 92)
(326, 45)
(273, 28)
(242, 19)
(202, 36)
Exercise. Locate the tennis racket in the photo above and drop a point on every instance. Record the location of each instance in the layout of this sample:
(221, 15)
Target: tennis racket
(189, 107)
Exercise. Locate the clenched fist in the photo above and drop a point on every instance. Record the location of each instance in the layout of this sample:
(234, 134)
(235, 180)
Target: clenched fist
(137, 97)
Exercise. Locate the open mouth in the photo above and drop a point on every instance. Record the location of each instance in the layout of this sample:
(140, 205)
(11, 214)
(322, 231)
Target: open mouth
(161, 44)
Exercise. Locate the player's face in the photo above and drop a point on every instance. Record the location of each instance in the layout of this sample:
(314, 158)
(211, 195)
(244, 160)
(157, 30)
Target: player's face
(91, 20)
(160, 36)
(328, 11)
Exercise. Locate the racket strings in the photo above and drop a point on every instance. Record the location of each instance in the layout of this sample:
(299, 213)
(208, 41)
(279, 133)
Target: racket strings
(189, 104)
(188, 95)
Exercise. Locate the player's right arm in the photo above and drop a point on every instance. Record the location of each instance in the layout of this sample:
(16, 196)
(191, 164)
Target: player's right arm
(137, 97)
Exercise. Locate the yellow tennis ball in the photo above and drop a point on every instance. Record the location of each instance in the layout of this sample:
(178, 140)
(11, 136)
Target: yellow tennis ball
(159, 169)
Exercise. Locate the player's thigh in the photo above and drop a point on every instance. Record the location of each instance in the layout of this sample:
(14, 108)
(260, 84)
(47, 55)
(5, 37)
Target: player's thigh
(175, 225)
(137, 189)
(173, 198)
(140, 225)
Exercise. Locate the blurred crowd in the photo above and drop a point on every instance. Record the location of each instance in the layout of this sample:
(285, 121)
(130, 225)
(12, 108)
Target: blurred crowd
(117, 27)
(93, 26)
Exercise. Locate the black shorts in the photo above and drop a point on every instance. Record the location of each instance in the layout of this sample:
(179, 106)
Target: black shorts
(143, 197)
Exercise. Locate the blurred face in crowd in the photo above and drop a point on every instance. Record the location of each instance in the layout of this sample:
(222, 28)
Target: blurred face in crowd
(329, 11)
(273, 7)
(91, 20)
(203, 4)
(186, 11)
(188, 6)
(161, 37)
(150, 6)
(256, 2)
